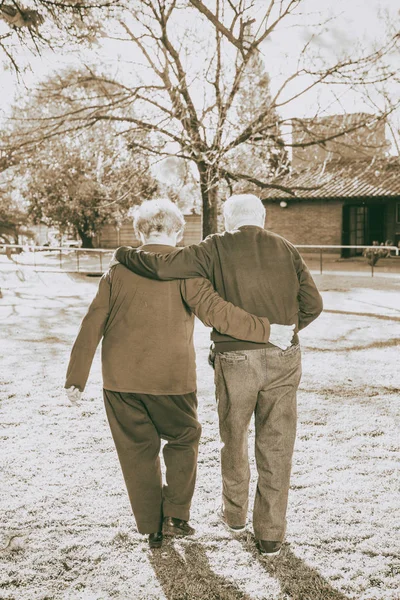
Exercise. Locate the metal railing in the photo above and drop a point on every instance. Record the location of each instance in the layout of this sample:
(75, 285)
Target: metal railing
(94, 260)
(66, 259)
(373, 248)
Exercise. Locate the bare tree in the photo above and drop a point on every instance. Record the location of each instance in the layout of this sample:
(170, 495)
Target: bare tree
(191, 61)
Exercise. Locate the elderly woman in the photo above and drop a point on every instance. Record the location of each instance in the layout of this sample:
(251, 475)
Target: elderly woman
(149, 372)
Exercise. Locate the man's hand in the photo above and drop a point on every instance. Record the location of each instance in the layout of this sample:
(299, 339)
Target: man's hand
(74, 395)
(281, 335)
(113, 261)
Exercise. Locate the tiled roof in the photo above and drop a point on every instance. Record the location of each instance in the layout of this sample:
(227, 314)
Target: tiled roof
(365, 178)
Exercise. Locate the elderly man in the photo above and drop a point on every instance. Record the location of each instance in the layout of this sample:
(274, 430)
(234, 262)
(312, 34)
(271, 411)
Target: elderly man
(149, 377)
(264, 274)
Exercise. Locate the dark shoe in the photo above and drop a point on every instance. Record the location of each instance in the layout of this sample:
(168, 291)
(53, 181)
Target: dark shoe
(155, 539)
(176, 527)
(233, 528)
(269, 548)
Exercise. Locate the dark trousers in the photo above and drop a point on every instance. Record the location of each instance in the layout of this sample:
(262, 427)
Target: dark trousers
(138, 422)
(264, 383)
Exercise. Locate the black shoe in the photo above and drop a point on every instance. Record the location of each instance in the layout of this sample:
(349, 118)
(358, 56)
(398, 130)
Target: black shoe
(269, 548)
(176, 527)
(155, 539)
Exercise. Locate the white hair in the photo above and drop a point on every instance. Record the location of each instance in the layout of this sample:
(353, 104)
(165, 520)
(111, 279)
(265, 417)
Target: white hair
(158, 216)
(243, 209)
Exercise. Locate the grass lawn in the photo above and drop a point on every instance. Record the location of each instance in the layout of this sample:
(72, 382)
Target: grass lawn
(66, 528)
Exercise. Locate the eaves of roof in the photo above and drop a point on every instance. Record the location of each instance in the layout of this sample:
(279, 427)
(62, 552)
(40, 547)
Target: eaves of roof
(376, 178)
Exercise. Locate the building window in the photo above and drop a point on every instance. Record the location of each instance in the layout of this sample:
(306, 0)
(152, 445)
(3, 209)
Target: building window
(398, 212)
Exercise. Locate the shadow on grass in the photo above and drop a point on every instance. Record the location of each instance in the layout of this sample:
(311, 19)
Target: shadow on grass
(297, 580)
(189, 577)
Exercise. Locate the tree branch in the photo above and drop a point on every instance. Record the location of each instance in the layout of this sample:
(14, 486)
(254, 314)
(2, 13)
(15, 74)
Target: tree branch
(225, 173)
(217, 23)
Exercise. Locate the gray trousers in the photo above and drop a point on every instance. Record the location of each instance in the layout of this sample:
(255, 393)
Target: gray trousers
(138, 422)
(263, 382)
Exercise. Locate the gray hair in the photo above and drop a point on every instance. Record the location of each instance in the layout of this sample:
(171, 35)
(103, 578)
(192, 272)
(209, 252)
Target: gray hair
(161, 216)
(243, 207)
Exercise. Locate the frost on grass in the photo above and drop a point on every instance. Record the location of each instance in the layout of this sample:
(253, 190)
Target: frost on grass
(66, 528)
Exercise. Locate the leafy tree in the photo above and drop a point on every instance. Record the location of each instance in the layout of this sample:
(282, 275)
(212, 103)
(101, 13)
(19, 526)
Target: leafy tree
(50, 24)
(83, 181)
(12, 217)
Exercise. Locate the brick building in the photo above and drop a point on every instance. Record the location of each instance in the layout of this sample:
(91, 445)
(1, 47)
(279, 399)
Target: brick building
(348, 190)
(347, 203)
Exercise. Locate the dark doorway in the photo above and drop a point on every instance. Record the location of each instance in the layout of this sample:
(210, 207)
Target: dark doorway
(376, 223)
(362, 224)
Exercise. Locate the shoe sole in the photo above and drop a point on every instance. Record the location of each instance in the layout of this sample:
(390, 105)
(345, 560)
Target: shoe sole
(155, 545)
(268, 554)
(234, 530)
(231, 529)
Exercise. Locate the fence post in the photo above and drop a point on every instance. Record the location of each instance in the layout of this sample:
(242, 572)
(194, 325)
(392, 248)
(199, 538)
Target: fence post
(77, 259)
(320, 261)
(101, 261)
(60, 258)
(372, 267)
(34, 257)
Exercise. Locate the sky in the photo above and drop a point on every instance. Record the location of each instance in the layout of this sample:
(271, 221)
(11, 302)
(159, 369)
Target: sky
(350, 23)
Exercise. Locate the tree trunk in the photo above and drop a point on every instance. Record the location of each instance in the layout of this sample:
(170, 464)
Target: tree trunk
(87, 240)
(209, 196)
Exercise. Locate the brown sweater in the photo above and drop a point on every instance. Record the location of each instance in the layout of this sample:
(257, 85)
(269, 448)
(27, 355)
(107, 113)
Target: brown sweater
(147, 329)
(251, 267)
